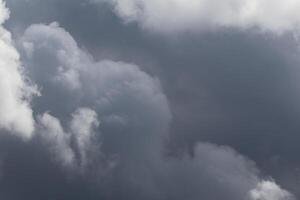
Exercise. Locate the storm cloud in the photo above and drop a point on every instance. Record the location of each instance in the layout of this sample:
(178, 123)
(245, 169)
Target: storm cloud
(116, 113)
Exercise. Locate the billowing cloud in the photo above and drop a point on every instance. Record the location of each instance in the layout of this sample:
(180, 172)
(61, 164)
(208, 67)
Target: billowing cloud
(15, 89)
(134, 119)
(268, 190)
(124, 98)
(97, 114)
(181, 15)
(119, 92)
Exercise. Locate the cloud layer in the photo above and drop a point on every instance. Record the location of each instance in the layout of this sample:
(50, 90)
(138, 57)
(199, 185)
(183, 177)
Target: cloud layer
(179, 15)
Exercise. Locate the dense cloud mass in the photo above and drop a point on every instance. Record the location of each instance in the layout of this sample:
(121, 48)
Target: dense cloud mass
(111, 112)
(181, 15)
(123, 96)
(15, 111)
(127, 98)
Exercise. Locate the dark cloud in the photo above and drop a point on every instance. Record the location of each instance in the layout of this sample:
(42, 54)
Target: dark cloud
(123, 96)
(230, 87)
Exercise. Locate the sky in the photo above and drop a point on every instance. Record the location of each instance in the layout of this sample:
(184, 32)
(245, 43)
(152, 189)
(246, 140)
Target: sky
(151, 100)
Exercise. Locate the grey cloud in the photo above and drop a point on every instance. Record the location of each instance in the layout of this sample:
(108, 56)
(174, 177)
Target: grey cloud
(124, 97)
(134, 115)
(59, 142)
(75, 147)
(228, 87)
(82, 125)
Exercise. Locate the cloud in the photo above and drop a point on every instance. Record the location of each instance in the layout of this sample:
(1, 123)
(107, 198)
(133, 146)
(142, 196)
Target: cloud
(268, 190)
(119, 92)
(105, 112)
(124, 98)
(82, 126)
(59, 142)
(193, 15)
(134, 114)
(230, 174)
(215, 172)
(80, 133)
(15, 88)
(4, 14)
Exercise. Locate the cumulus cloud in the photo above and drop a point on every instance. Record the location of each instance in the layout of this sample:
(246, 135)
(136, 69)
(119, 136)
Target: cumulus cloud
(134, 115)
(181, 15)
(119, 92)
(124, 98)
(269, 190)
(96, 110)
(15, 89)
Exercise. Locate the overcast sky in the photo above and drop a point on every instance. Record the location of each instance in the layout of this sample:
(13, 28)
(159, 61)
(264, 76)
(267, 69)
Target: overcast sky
(149, 99)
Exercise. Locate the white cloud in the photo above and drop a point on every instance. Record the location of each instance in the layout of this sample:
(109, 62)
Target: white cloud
(269, 190)
(190, 15)
(4, 12)
(15, 90)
